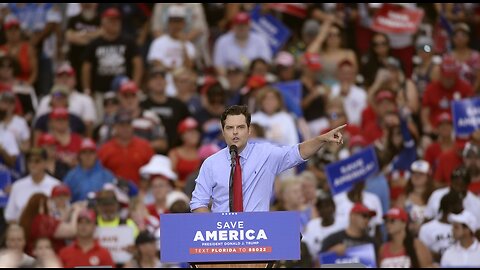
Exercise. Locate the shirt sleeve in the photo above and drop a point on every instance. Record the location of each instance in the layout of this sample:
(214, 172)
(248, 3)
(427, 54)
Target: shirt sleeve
(203, 188)
(9, 143)
(284, 158)
(11, 210)
(218, 54)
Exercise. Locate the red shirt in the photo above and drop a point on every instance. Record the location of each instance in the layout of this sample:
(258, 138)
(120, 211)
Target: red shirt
(44, 226)
(447, 162)
(152, 210)
(72, 148)
(438, 99)
(125, 161)
(73, 256)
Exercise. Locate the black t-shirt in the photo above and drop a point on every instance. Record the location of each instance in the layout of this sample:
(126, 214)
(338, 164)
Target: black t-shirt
(171, 112)
(343, 237)
(79, 23)
(315, 109)
(110, 59)
(76, 124)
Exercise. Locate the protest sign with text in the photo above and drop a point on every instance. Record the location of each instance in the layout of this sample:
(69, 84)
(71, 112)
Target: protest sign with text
(343, 174)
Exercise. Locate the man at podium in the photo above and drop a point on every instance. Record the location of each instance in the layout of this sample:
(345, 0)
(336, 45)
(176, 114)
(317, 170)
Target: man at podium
(240, 177)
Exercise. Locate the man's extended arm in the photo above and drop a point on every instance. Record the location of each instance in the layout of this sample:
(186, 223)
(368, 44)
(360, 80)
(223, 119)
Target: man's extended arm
(310, 147)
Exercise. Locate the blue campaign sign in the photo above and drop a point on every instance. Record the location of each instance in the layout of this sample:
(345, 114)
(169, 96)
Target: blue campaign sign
(292, 94)
(343, 174)
(5, 180)
(221, 237)
(271, 28)
(363, 254)
(466, 116)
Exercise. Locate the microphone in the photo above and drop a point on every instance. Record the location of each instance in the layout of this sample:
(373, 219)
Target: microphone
(233, 153)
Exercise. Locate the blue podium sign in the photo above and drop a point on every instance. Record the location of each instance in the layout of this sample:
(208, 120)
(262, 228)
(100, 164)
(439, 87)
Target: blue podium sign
(343, 174)
(466, 116)
(364, 254)
(222, 237)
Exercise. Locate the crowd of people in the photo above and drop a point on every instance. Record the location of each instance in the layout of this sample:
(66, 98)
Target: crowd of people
(107, 112)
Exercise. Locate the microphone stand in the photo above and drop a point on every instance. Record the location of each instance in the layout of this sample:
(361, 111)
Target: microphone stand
(233, 164)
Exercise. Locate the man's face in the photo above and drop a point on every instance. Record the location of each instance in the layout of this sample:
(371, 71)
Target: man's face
(160, 188)
(36, 164)
(241, 30)
(459, 231)
(66, 80)
(360, 220)
(85, 228)
(236, 131)
(87, 158)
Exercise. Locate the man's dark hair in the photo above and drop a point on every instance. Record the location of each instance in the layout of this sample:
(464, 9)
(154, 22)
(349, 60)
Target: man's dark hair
(449, 201)
(236, 110)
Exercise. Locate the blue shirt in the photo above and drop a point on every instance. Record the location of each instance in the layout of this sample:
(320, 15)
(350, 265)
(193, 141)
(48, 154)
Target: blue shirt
(260, 163)
(81, 181)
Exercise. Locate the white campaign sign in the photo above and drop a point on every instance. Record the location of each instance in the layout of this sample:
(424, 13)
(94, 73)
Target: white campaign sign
(116, 240)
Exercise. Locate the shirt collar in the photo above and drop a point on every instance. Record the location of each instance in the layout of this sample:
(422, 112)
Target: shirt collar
(244, 154)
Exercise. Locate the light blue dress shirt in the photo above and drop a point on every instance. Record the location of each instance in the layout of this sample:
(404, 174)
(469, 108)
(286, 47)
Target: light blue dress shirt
(260, 162)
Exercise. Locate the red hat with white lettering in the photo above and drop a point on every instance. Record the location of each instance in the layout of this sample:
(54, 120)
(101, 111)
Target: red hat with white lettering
(396, 213)
(359, 208)
(88, 144)
(187, 124)
(241, 18)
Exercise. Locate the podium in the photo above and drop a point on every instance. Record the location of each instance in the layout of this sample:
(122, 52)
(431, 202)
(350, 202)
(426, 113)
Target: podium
(230, 240)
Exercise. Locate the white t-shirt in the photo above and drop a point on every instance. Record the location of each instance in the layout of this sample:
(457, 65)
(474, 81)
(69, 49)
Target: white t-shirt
(8, 142)
(436, 236)
(21, 192)
(169, 51)
(470, 203)
(279, 127)
(19, 127)
(459, 256)
(354, 103)
(227, 53)
(343, 205)
(315, 233)
(79, 104)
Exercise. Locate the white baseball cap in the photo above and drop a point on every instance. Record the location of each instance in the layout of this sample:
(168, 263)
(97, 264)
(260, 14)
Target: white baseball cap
(176, 11)
(466, 218)
(159, 165)
(421, 166)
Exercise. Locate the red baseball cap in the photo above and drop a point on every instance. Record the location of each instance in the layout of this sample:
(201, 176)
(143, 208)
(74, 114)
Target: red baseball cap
(128, 87)
(111, 13)
(357, 140)
(59, 113)
(312, 61)
(256, 81)
(444, 117)
(88, 214)
(187, 124)
(46, 139)
(10, 21)
(450, 67)
(241, 18)
(396, 213)
(65, 68)
(359, 208)
(384, 94)
(88, 144)
(61, 190)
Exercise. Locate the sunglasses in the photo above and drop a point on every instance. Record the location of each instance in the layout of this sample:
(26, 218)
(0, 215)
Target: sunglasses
(335, 115)
(390, 220)
(365, 216)
(36, 160)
